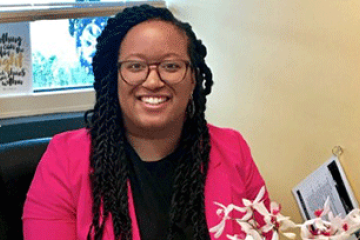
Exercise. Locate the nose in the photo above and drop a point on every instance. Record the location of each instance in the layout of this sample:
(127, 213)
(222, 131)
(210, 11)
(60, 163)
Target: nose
(153, 80)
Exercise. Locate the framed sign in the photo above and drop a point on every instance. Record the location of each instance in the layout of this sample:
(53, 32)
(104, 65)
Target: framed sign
(15, 59)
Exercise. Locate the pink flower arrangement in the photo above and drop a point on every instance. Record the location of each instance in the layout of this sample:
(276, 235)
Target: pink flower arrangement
(325, 226)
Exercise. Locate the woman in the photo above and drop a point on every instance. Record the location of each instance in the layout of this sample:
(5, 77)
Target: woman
(148, 166)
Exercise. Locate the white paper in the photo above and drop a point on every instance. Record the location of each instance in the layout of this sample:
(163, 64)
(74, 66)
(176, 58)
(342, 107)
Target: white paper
(328, 180)
(15, 59)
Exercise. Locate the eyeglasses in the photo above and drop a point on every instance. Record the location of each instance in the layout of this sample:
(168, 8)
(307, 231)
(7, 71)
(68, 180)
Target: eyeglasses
(136, 72)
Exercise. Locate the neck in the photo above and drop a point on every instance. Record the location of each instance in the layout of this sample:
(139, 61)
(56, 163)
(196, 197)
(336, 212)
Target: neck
(154, 145)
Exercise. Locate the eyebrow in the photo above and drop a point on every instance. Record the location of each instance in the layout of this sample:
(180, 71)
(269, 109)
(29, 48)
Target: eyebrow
(142, 56)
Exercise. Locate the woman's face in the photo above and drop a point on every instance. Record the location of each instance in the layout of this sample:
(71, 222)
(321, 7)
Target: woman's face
(154, 104)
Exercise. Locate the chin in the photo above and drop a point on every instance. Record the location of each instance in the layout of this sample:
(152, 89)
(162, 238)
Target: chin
(162, 123)
(154, 125)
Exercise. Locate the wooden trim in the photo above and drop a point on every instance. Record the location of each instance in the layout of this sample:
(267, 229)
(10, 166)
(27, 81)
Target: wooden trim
(36, 12)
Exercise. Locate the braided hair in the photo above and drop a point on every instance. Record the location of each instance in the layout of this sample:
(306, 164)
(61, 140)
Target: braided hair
(109, 163)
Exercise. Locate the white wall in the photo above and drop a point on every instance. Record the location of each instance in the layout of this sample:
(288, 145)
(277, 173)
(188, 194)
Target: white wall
(287, 76)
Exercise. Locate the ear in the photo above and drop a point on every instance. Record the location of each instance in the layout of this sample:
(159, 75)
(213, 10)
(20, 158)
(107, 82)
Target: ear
(193, 82)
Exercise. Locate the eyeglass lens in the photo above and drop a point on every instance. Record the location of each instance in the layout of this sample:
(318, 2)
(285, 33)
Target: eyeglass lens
(135, 72)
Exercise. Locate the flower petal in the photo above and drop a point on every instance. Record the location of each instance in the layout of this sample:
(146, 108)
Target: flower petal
(289, 235)
(248, 215)
(240, 209)
(318, 212)
(245, 226)
(267, 228)
(275, 236)
(326, 206)
(286, 224)
(218, 229)
(249, 237)
(275, 208)
(255, 235)
(260, 207)
(232, 237)
(260, 194)
(247, 203)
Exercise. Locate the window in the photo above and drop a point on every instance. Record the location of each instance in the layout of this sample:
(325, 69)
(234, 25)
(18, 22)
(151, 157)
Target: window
(62, 58)
(62, 35)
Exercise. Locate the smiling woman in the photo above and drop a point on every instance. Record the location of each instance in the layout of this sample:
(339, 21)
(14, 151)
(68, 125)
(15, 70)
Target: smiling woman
(148, 165)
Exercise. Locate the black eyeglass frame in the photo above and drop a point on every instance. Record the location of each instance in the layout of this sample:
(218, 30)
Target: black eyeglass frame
(157, 64)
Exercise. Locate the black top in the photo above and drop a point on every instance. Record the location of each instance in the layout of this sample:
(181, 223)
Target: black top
(152, 188)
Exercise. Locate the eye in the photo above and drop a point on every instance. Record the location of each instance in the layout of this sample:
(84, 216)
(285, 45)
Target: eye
(172, 66)
(134, 66)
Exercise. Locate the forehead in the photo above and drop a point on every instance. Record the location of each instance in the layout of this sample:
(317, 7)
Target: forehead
(154, 39)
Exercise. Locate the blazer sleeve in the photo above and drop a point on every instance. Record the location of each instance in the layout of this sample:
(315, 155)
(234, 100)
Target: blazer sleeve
(49, 211)
(253, 181)
(252, 177)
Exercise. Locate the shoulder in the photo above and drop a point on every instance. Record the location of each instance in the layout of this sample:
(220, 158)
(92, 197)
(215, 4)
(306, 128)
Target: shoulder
(226, 136)
(79, 136)
(231, 162)
(61, 177)
(68, 152)
(228, 146)
(71, 142)
(231, 152)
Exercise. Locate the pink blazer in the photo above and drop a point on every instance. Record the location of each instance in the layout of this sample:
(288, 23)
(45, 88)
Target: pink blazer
(58, 204)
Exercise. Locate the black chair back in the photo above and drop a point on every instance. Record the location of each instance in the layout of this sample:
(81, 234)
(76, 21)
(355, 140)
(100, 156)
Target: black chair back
(18, 161)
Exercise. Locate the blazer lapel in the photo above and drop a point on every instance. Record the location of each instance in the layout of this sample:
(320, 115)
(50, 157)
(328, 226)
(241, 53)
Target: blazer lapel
(135, 226)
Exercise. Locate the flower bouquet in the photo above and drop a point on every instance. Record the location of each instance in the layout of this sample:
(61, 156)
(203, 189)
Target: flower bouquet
(325, 226)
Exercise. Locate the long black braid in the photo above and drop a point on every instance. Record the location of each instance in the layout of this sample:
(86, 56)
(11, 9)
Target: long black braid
(109, 163)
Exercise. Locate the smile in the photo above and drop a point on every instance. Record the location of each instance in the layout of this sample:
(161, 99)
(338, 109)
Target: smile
(153, 100)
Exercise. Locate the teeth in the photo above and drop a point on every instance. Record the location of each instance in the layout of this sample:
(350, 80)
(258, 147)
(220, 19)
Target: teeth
(153, 100)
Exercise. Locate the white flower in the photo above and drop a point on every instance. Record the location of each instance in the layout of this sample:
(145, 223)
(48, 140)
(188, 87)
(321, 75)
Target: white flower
(353, 221)
(335, 228)
(249, 230)
(225, 211)
(233, 237)
(257, 200)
